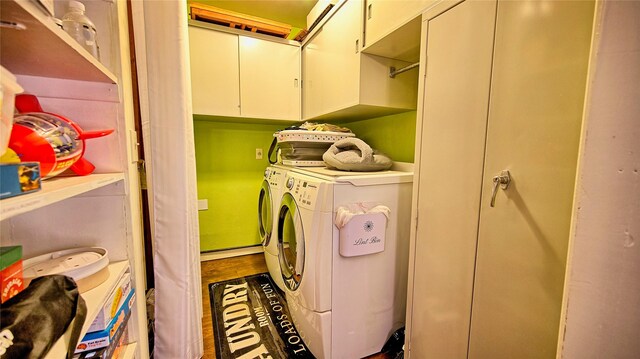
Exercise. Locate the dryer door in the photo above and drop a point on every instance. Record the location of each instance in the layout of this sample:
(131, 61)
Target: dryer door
(290, 242)
(265, 215)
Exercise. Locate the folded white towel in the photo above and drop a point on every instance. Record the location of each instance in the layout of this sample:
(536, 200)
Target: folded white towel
(353, 154)
(345, 214)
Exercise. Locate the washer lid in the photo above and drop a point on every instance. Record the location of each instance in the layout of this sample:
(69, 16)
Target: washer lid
(76, 263)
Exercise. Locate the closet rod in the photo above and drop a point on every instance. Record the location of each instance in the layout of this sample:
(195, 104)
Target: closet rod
(393, 72)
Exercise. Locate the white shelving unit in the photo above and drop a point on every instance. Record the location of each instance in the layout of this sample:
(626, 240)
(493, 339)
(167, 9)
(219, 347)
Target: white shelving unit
(101, 209)
(55, 190)
(62, 57)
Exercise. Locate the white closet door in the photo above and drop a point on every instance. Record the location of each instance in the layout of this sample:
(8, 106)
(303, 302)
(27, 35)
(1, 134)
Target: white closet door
(449, 177)
(215, 81)
(269, 79)
(535, 116)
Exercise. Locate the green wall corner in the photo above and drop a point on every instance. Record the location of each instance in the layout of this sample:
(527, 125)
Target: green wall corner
(393, 135)
(229, 177)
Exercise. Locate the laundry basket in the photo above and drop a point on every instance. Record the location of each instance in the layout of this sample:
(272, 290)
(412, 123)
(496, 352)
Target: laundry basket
(303, 147)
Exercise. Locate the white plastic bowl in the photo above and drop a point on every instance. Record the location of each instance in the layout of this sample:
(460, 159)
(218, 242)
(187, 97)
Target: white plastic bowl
(87, 266)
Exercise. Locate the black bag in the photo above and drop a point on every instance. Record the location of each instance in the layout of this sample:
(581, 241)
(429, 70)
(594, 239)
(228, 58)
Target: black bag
(33, 320)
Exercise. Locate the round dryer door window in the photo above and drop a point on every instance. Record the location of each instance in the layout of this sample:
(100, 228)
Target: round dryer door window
(290, 242)
(265, 217)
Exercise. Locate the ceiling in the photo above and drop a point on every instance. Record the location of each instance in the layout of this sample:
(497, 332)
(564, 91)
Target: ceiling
(292, 12)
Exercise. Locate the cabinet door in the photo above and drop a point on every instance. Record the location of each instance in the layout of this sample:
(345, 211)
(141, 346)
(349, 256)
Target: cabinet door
(340, 56)
(312, 68)
(449, 177)
(215, 81)
(535, 115)
(383, 16)
(269, 79)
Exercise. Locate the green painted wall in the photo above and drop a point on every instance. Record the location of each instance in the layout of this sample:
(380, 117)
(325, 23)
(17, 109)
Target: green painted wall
(229, 177)
(393, 135)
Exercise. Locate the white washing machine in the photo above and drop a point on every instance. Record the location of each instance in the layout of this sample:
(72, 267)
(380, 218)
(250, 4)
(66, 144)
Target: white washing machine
(268, 204)
(343, 306)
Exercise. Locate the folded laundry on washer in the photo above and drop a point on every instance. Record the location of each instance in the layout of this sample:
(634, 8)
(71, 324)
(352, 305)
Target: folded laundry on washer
(312, 126)
(353, 154)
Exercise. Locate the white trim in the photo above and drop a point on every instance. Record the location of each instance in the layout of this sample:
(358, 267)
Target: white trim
(236, 252)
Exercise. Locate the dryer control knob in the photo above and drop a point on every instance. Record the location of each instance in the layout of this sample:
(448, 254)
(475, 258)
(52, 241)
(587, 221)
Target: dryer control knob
(266, 173)
(290, 183)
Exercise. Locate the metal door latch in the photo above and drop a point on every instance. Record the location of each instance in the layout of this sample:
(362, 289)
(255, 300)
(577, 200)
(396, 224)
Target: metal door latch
(501, 180)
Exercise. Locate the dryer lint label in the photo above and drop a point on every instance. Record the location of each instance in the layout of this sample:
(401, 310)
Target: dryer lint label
(363, 234)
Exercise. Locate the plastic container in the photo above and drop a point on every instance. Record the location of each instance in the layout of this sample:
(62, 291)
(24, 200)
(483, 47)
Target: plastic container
(87, 266)
(8, 90)
(81, 28)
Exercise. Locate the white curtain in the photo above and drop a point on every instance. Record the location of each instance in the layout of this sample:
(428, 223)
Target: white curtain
(162, 54)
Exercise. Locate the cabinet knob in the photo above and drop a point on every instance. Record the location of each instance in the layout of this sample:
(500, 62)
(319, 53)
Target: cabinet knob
(369, 11)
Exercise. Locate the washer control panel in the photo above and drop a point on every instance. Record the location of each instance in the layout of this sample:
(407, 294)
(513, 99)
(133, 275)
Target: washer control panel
(304, 192)
(273, 176)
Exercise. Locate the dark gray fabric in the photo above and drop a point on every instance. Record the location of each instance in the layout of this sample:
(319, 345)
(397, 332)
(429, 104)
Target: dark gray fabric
(40, 314)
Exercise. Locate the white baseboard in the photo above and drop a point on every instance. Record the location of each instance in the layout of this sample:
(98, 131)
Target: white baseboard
(209, 256)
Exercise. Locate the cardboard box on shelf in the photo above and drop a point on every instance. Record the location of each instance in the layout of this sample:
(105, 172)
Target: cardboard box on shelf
(104, 338)
(114, 350)
(11, 281)
(19, 178)
(112, 304)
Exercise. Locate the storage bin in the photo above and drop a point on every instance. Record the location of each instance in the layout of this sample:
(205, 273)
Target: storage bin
(364, 232)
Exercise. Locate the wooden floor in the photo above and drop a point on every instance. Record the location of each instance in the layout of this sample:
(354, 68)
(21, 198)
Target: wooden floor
(224, 269)
(220, 270)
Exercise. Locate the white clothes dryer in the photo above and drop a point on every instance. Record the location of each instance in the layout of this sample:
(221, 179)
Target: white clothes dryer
(343, 306)
(268, 203)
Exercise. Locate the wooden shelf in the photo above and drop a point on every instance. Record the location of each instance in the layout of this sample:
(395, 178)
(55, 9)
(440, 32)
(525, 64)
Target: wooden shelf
(55, 190)
(95, 299)
(43, 48)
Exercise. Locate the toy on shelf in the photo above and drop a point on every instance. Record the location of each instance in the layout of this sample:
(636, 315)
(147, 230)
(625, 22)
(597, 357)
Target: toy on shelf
(53, 140)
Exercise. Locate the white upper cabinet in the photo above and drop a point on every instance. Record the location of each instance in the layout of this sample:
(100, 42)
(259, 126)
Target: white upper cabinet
(312, 69)
(384, 16)
(215, 72)
(241, 76)
(269, 79)
(342, 82)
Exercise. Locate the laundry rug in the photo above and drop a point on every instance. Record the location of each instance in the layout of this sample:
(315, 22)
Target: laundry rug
(251, 319)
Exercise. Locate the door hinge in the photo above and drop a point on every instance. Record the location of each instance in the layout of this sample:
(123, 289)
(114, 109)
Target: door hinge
(142, 174)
